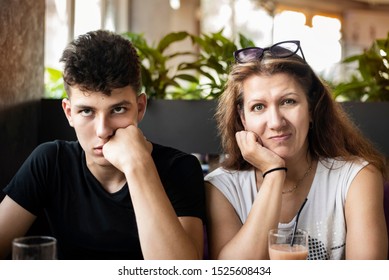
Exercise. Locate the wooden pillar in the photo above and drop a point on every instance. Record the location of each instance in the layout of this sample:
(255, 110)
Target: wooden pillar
(21, 81)
(21, 51)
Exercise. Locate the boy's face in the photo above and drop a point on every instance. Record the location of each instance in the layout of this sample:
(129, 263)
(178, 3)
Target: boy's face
(95, 117)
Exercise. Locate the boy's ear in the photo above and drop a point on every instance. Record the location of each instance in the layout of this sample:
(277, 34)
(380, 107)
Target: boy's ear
(142, 105)
(67, 110)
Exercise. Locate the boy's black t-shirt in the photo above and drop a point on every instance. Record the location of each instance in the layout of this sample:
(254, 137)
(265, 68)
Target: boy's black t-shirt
(88, 222)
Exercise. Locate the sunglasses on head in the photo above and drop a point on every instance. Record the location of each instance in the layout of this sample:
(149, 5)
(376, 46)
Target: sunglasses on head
(279, 50)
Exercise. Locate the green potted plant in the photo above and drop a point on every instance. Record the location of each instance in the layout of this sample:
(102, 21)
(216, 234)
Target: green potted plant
(182, 95)
(366, 94)
(201, 71)
(160, 77)
(181, 86)
(54, 88)
(370, 82)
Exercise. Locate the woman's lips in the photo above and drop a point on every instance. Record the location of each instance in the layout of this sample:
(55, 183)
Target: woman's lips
(280, 138)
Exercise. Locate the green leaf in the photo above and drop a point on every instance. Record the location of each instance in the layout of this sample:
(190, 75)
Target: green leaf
(170, 38)
(187, 77)
(245, 42)
(370, 79)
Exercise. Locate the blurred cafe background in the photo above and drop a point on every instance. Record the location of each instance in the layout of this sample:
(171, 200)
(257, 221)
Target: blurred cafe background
(33, 34)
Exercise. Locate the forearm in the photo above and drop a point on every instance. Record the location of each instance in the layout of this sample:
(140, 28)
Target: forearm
(161, 234)
(251, 242)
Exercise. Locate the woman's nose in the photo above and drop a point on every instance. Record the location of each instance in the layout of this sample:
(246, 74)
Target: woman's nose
(275, 118)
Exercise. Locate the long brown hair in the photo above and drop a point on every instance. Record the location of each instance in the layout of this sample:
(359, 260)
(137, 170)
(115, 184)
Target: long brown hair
(332, 133)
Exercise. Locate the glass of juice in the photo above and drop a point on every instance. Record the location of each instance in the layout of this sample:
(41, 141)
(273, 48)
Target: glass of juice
(284, 245)
(34, 248)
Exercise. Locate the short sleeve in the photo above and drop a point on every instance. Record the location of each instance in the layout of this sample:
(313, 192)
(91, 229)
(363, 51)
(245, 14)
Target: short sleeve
(29, 186)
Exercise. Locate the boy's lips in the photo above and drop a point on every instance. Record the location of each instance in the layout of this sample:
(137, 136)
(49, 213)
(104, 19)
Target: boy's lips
(98, 150)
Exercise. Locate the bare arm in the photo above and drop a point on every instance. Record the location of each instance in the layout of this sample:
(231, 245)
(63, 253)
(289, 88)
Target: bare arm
(366, 226)
(162, 234)
(228, 238)
(14, 222)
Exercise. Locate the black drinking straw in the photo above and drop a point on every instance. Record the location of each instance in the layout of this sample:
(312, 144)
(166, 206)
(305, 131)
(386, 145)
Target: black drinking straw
(295, 223)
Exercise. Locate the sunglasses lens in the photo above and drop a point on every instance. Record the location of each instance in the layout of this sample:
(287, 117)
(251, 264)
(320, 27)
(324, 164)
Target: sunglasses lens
(250, 54)
(284, 49)
(280, 50)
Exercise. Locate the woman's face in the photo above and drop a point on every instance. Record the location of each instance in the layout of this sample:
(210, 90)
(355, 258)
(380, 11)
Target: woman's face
(276, 109)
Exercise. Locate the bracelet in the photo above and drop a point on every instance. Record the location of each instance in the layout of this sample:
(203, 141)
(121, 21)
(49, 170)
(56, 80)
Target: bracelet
(274, 169)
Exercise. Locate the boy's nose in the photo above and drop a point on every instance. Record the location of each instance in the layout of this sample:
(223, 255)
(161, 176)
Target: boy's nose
(103, 128)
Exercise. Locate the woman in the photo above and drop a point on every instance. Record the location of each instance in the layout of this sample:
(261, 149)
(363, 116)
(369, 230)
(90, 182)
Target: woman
(286, 140)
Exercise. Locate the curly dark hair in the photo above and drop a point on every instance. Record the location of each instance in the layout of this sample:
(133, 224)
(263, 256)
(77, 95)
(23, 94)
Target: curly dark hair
(100, 61)
(332, 134)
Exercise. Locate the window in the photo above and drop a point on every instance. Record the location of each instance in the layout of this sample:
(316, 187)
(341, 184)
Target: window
(66, 19)
(320, 39)
(319, 35)
(56, 31)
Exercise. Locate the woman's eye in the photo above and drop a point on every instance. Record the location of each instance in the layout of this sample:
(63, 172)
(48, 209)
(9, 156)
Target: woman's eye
(258, 107)
(289, 101)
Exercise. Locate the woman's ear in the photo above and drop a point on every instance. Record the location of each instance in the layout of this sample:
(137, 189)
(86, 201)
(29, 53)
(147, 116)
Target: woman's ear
(67, 109)
(241, 115)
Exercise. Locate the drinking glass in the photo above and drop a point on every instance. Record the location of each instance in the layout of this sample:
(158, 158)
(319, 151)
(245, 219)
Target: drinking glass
(34, 248)
(284, 245)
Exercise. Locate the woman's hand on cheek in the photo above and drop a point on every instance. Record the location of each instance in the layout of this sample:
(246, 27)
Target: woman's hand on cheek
(255, 153)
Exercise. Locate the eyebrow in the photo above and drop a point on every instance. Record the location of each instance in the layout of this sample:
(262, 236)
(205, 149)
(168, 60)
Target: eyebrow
(284, 95)
(119, 104)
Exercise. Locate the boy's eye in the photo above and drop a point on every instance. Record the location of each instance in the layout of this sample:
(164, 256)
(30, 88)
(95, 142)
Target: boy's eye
(119, 110)
(86, 112)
